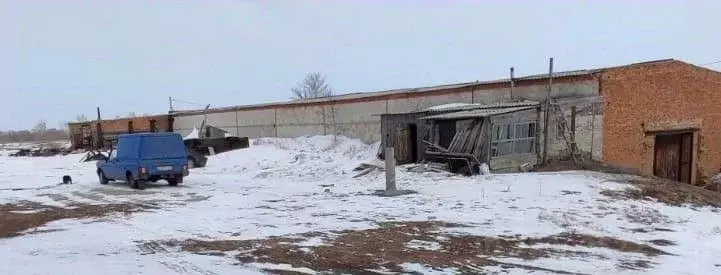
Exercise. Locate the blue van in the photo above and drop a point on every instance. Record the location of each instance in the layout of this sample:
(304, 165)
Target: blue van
(139, 158)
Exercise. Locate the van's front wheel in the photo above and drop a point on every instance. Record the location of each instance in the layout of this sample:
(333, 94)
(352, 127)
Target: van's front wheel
(102, 178)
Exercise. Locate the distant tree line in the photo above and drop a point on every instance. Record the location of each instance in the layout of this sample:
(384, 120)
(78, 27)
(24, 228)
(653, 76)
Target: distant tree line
(40, 132)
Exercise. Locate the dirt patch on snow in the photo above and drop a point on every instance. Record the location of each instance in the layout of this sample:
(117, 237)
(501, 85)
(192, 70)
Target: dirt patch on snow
(392, 245)
(556, 165)
(666, 191)
(16, 218)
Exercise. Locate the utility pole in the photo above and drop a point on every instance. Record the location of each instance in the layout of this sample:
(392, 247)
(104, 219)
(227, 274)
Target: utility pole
(547, 110)
(170, 103)
(99, 130)
(512, 84)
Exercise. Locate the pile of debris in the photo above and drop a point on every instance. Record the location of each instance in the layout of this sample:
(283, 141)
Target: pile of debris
(41, 152)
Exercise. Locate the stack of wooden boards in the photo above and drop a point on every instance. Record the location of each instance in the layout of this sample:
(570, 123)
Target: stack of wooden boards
(467, 148)
(469, 140)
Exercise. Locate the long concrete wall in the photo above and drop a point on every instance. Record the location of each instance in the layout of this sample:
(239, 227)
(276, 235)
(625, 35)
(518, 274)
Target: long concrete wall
(361, 119)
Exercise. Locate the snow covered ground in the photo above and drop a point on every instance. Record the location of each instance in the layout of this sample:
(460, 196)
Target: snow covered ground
(292, 187)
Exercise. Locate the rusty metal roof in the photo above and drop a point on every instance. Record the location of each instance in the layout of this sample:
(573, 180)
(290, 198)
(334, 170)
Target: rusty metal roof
(478, 113)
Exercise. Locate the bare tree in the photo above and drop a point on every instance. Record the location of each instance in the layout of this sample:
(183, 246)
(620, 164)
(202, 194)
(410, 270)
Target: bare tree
(40, 127)
(313, 86)
(81, 118)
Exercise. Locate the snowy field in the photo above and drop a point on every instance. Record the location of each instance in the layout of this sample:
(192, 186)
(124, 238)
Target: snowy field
(293, 205)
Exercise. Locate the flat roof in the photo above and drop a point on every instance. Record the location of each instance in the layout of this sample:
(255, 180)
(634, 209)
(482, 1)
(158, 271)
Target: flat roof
(354, 96)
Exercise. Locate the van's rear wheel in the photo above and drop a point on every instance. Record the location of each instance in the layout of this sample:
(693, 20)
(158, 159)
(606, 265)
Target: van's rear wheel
(135, 184)
(173, 181)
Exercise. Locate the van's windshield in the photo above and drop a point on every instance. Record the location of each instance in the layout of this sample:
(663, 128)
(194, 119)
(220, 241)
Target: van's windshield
(161, 147)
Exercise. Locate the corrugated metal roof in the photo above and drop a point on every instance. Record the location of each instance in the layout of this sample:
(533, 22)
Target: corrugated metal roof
(480, 106)
(478, 113)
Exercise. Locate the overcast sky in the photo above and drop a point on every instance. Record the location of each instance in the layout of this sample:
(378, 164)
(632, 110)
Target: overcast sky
(63, 58)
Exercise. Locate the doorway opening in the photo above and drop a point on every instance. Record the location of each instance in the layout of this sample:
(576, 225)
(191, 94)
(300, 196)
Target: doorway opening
(673, 156)
(446, 132)
(413, 142)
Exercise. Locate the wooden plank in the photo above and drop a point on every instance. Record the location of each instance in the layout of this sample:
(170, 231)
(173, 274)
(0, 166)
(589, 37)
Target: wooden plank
(461, 141)
(456, 139)
(478, 149)
(436, 146)
(472, 138)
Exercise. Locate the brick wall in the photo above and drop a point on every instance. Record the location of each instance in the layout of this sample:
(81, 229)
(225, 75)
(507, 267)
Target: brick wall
(661, 96)
(140, 124)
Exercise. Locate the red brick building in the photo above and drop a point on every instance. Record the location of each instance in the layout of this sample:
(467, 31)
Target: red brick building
(663, 118)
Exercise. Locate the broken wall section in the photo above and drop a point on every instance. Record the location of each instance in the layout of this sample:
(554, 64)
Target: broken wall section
(587, 128)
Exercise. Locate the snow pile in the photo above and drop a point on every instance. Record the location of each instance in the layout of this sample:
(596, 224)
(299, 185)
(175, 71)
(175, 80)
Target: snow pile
(307, 158)
(193, 134)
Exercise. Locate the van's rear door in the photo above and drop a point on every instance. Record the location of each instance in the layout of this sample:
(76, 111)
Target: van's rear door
(163, 153)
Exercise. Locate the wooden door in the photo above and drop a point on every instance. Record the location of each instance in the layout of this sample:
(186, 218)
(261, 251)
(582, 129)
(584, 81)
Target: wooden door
(401, 145)
(686, 157)
(673, 156)
(666, 156)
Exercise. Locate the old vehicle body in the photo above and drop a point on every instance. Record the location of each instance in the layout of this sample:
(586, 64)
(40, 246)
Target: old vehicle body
(139, 158)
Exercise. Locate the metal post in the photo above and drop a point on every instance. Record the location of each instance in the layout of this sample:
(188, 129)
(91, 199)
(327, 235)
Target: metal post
(593, 126)
(170, 103)
(99, 131)
(275, 120)
(512, 84)
(547, 111)
(390, 169)
(323, 113)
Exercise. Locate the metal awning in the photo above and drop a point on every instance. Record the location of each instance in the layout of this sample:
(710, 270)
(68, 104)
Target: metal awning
(478, 113)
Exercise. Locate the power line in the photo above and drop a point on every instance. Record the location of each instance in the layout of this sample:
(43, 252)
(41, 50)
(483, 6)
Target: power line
(711, 63)
(188, 102)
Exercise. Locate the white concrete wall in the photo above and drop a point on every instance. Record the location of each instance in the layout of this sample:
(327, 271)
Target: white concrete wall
(360, 119)
(589, 128)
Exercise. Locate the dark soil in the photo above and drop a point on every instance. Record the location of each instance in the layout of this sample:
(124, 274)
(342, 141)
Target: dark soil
(669, 192)
(12, 222)
(355, 252)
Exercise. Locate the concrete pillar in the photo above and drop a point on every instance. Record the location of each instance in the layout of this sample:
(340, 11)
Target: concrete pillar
(390, 169)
